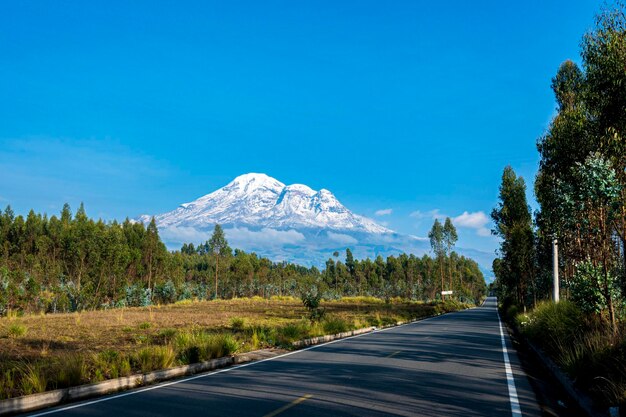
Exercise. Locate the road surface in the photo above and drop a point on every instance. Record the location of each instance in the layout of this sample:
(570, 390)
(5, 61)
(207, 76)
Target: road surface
(451, 365)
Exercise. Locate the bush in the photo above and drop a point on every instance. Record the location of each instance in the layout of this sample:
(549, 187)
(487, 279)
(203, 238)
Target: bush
(311, 298)
(165, 293)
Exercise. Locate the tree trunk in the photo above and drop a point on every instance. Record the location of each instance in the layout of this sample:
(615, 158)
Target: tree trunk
(216, 269)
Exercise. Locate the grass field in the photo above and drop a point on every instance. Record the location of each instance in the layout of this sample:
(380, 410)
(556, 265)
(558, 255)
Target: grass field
(43, 352)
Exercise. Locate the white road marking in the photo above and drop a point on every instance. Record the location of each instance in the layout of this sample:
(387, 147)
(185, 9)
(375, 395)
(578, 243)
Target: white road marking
(515, 408)
(232, 368)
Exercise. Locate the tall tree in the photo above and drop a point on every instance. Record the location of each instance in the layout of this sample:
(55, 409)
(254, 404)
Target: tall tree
(219, 248)
(513, 224)
(437, 243)
(450, 237)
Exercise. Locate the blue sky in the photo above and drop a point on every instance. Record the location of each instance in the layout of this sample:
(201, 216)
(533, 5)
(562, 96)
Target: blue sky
(409, 109)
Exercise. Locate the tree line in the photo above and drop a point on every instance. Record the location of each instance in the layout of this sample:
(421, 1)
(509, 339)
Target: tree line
(580, 186)
(71, 262)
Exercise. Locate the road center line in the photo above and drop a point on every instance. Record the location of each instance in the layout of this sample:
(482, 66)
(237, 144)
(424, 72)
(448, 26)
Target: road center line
(393, 354)
(288, 406)
(515, 408)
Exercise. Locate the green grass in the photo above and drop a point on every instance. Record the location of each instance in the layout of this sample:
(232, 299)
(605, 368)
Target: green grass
(153, 358)
(237, 323)
(583, 346)
(16, 330)
(33, 379)
(200, 346)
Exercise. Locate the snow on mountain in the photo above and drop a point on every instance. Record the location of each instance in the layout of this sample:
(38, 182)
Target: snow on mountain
(287, 222)
(257, 200)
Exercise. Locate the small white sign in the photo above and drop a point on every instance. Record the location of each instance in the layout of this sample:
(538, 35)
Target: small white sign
(446, 292)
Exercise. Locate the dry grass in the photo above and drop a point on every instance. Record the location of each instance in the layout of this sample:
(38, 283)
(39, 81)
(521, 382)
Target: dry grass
(112, 342)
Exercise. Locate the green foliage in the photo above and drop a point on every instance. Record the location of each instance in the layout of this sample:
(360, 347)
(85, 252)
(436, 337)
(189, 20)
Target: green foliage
(145, 325)
(588, 287)
(69, 263)
(515, 270)
(165, 293)
(311, 299)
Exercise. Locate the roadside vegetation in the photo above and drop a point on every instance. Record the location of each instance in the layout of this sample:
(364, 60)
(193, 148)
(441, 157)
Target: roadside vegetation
(63, 350)
(581, 190)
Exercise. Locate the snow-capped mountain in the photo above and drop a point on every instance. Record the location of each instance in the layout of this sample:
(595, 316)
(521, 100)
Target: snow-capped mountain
(287, 222)
(257, 200)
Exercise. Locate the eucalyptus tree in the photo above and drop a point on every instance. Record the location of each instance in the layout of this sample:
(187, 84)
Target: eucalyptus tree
(218, 246)
(437, 243)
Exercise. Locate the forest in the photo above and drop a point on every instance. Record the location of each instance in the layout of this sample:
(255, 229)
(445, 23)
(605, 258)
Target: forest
(71, 263)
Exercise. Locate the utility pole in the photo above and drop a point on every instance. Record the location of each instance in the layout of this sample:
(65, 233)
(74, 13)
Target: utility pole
(555, 268)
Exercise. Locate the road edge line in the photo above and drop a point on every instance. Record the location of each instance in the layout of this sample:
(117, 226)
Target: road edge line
(516, 411)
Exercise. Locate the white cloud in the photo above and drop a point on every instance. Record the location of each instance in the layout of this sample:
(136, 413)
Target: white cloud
(477, 221)
(384, 212)
(474, 220)
(245, 237)
(237, 237)
(174, 234)
(432, 214)
(341, 238)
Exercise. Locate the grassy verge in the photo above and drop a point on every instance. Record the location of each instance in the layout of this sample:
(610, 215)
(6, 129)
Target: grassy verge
(586, 348)
(44, 352)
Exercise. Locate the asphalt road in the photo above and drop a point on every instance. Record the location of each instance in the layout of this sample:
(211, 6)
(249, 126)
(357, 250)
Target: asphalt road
(451, 365)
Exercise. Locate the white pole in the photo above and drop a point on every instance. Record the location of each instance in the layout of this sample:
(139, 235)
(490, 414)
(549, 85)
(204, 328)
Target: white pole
(555, 268)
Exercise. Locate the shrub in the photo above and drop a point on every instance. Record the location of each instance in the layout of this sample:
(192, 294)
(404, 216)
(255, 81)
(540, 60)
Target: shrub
(154, 358)
(311, 298)
(145, 325)
(165, 293)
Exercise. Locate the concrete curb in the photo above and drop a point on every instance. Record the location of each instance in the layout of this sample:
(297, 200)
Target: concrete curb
(51, 398)
(329, 338)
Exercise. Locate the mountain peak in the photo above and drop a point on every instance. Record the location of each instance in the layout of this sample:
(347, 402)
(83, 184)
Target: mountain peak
(252, 181)
(258, 200)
